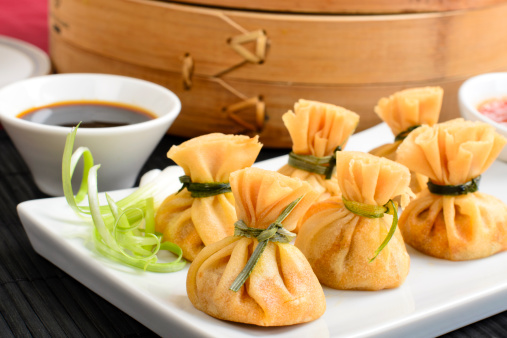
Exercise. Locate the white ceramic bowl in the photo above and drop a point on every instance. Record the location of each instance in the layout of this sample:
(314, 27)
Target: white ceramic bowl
(478, 89)
(121, 151)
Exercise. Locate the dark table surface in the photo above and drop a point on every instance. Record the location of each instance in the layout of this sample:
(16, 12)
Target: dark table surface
(38, 299)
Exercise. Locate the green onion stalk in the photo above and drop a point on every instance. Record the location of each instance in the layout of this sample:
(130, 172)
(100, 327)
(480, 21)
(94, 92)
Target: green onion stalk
(274, 233)
(124, 231)
(375, 211)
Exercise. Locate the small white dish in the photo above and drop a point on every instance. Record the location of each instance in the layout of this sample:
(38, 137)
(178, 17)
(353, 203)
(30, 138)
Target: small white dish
(438, 296)
(478, 89)
(20, 60)
(121, 151)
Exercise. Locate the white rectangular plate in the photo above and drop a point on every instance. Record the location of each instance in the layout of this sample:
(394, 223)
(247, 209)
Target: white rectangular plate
(438, 296)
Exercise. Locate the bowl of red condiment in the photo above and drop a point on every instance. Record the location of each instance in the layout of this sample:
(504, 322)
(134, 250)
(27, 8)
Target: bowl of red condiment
(484, 98)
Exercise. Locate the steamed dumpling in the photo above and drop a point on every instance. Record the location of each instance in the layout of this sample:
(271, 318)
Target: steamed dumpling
(282, 288)
(410, 107)
(339, 243)
(462, 227)
(192, 223)
(404, 110)
(317, 129)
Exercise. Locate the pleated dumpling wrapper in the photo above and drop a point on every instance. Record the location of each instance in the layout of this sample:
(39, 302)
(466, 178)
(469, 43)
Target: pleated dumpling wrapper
(316, 130)
(344, 237)
(194, 222)
(403, 112)
(281, 289)
(453, 222)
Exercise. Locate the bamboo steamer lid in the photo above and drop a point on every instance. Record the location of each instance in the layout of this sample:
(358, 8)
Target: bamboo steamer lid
(239, 71)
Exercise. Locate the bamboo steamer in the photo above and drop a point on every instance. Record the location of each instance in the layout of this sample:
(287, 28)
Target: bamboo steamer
(239, 71)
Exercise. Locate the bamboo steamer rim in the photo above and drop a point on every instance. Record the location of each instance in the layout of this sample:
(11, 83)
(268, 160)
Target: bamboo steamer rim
(344, 6)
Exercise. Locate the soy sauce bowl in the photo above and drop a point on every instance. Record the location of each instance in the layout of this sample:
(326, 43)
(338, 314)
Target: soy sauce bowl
(478, 89)
(121, 151)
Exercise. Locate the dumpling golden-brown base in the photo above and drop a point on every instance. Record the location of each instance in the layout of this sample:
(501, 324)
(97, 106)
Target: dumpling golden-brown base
(455, 228)
(339, 245)
(281, 290)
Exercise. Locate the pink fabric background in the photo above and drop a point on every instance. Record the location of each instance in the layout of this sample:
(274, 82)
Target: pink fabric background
(25, 20)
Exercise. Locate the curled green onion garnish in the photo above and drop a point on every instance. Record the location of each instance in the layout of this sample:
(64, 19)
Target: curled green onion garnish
(375, 211)
(204, 189)
(274, 233)
(455, 190)
(401, 136)
(125, 230)
(320, 165)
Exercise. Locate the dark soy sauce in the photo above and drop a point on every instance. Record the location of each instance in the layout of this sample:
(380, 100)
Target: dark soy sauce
(91, 114)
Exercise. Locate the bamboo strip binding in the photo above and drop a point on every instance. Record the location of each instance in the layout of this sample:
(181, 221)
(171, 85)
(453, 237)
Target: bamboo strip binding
(236, 43)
